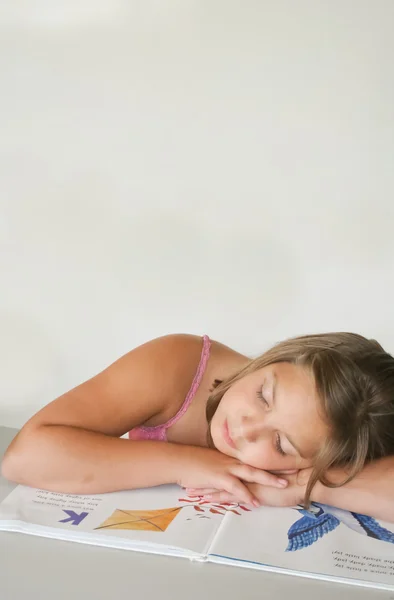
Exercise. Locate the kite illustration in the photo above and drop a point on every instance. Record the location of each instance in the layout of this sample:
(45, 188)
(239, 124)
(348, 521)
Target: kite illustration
(320, 519)
(141, 520)
(160, 519)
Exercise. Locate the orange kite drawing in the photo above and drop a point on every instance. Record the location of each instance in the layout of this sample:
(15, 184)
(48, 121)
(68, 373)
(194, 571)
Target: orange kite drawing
(141, 520)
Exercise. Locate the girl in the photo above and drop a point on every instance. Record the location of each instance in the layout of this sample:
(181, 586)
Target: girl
(311, 414)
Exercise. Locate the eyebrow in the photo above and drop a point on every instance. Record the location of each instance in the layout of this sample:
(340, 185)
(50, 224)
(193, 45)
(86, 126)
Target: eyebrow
(288, 437)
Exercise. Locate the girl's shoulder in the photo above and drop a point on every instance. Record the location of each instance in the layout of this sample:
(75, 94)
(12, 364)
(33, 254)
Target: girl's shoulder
(149, 382)
(179, 355)
(173, 360)
(183, 353)
(190, 364)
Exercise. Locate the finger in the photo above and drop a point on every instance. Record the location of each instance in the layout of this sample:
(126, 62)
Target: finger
(200, 491)
(222, 497)
(236, 488)
(252, 475)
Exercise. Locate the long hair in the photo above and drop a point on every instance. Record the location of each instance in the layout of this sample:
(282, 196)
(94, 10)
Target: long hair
(354, 379)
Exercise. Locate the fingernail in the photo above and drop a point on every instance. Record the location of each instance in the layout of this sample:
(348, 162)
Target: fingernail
(256, 503)
(282, 482)
(208, 497)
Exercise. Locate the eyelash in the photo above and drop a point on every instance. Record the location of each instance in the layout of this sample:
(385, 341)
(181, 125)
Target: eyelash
(260, 395)
(278, 446)
(277, 440)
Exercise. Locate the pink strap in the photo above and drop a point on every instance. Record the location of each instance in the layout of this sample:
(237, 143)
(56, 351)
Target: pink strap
(191, 393)
(196, 381)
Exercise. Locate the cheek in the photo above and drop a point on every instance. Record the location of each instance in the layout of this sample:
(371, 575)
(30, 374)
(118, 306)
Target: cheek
(263, 456)
(260, 456)
(219, 417)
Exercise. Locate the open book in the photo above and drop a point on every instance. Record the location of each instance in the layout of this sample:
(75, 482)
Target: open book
(323, 542)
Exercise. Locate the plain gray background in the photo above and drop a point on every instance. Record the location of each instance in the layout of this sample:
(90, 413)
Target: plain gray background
(208, 166)
(43, 569)
(203, 166)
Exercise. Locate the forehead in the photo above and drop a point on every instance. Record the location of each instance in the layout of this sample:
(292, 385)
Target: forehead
(295, 381)
(290, 379)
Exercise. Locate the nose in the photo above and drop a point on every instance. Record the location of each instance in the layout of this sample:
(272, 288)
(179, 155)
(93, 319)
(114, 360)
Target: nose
(252, 429)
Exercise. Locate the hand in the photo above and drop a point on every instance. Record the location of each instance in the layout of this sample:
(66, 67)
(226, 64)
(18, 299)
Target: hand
(291, 495)
(204, 468)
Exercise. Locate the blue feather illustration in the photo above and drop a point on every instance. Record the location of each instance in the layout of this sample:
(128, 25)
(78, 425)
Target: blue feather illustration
(306, 531)
(320, 519)
(373, 529)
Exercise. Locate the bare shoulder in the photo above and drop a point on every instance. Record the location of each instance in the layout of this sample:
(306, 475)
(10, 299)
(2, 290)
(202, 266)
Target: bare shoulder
(224, 362)
(146, 383)
(183, 352)
(179, 354)
(145, 386)
(176, 357)
(172, 357)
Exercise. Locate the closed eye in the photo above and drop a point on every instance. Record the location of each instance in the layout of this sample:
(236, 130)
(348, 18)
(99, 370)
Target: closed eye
(260, 395)
(278, 445)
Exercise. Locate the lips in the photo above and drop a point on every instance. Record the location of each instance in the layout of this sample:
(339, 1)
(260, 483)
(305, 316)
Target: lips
(227, 437)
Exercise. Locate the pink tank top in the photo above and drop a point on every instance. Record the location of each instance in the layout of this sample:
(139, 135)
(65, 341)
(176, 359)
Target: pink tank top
(159, 432)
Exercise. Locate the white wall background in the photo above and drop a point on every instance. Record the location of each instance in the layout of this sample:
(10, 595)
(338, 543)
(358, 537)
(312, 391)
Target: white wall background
(188, 165)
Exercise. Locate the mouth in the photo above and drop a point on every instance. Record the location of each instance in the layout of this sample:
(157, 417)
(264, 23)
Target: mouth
(226, 435)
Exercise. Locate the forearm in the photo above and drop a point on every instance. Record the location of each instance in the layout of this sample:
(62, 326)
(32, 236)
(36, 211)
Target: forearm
(77, 461)
(371, 492)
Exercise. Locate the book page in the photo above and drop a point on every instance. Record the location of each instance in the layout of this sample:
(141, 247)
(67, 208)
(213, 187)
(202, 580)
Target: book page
(325, 541)
(156, 516)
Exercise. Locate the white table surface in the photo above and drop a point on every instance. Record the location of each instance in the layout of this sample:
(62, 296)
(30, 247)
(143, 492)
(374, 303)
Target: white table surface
(39, 568)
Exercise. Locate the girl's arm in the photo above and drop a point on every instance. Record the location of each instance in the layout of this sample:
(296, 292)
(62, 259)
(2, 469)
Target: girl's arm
(73, 443)
(71, 460)
(371, 492)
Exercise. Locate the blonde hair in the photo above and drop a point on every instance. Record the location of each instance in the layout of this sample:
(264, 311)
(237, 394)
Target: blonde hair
(354, 379)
